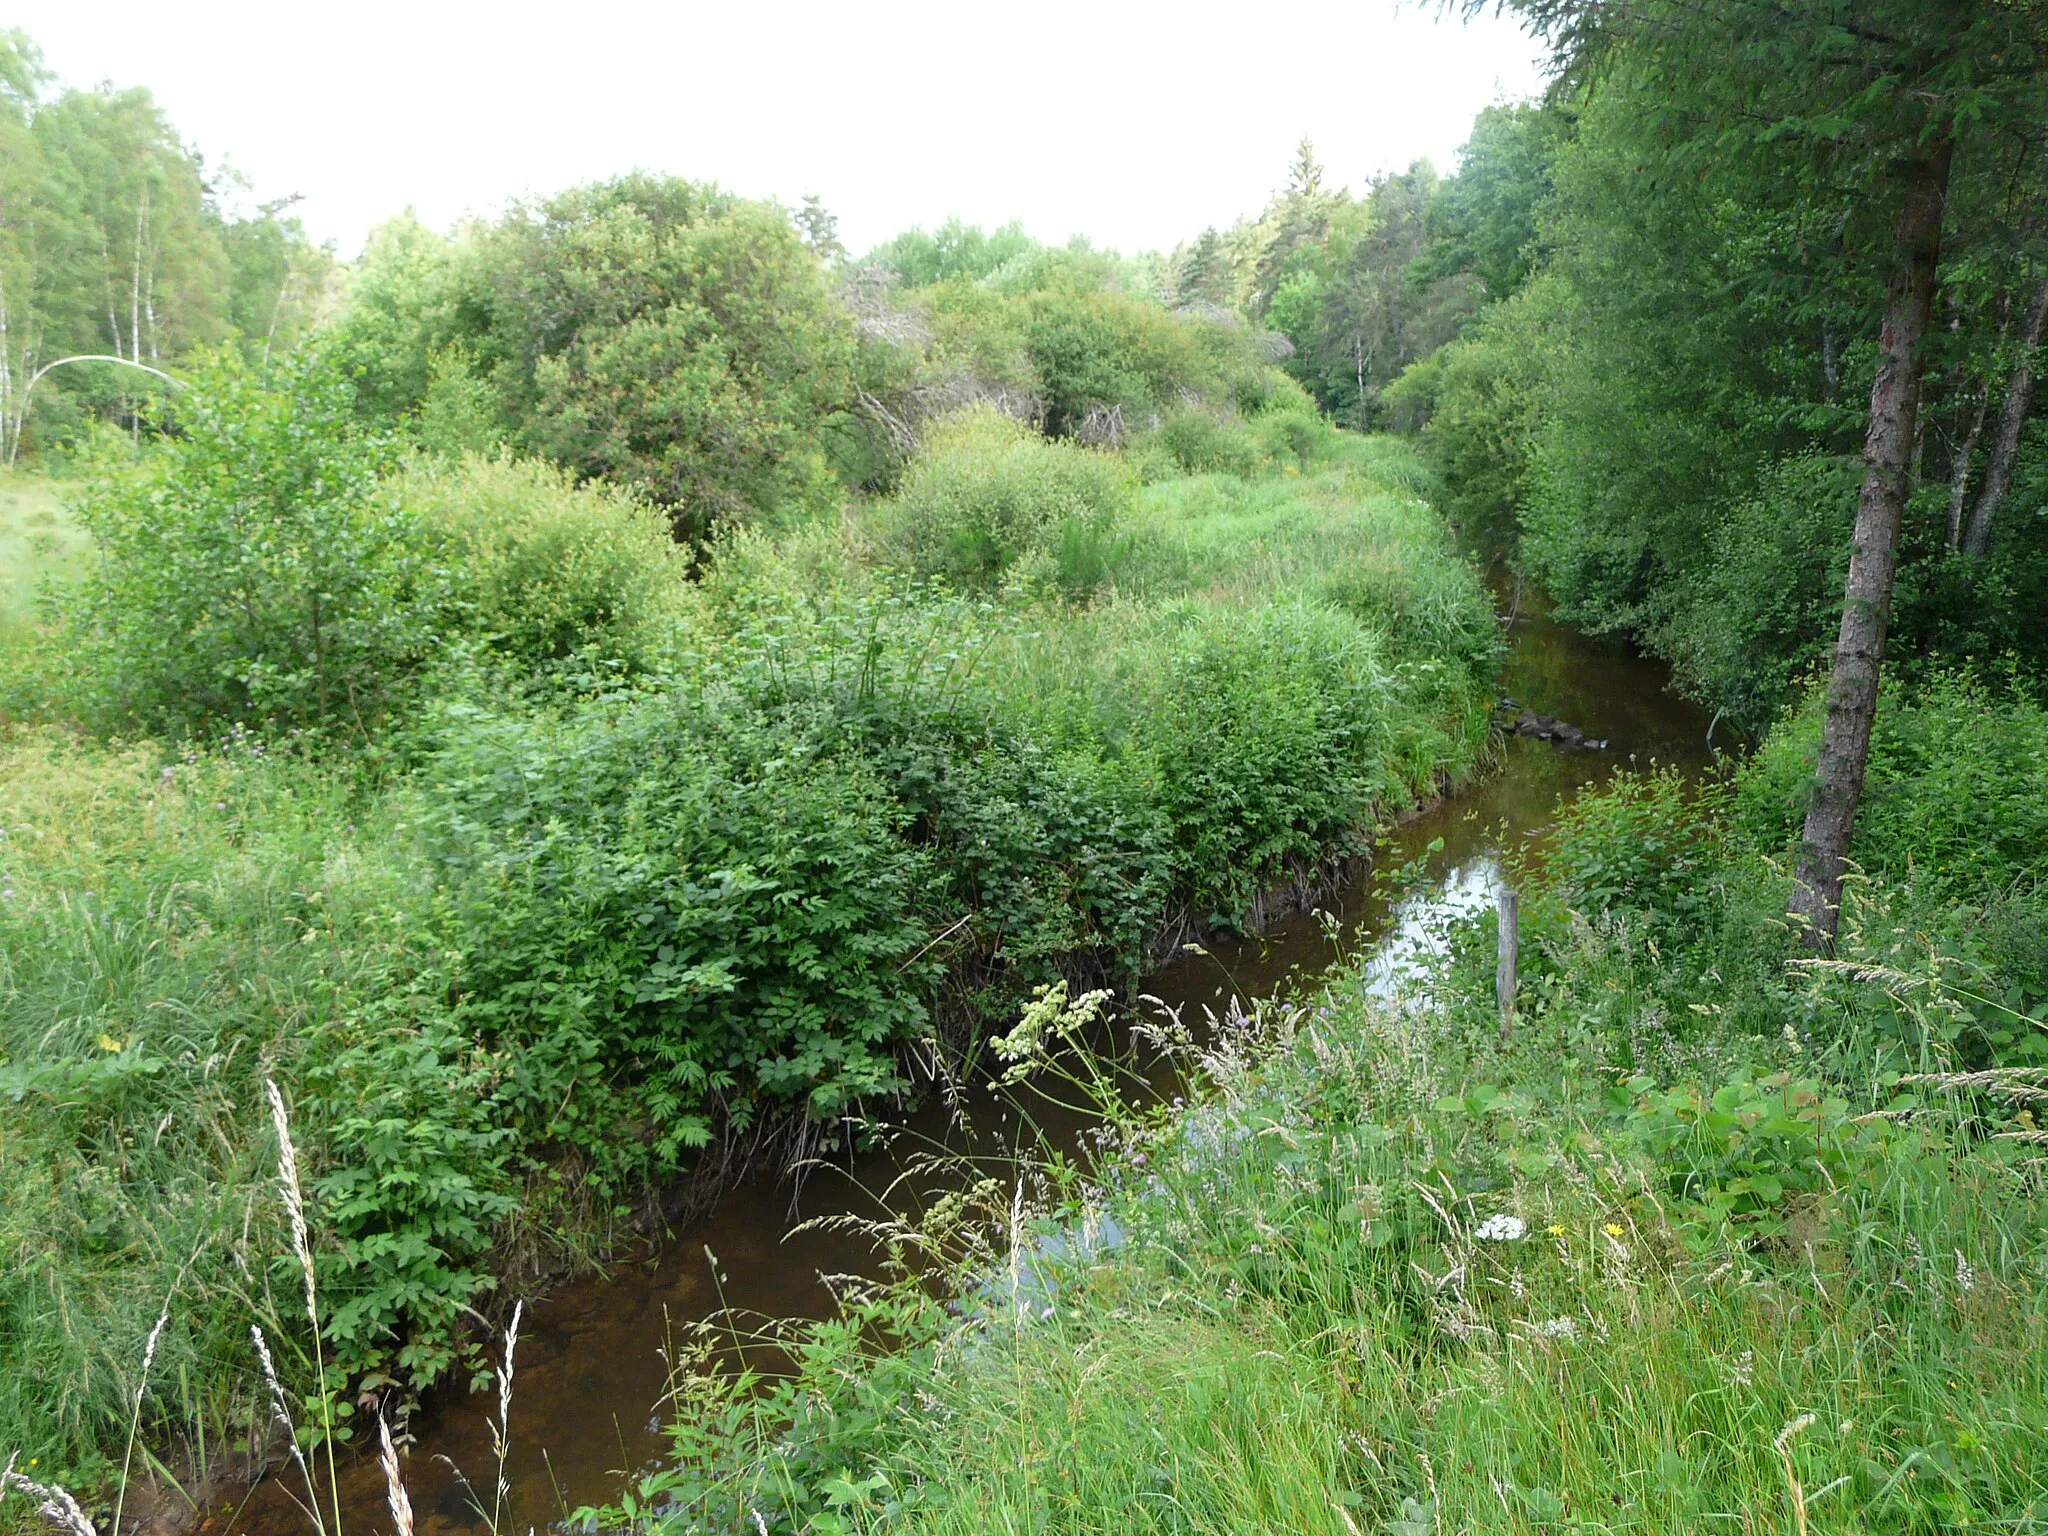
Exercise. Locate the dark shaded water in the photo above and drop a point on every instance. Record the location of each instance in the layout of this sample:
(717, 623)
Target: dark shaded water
(591, 1363)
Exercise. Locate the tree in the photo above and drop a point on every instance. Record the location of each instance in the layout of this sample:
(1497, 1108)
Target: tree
(1299, 217)
(663, 334)
(2012, 420)
(819, 227)
(21, 78)
(1870, 103)
(1202, 275)
(114, 243)
(1484, 219)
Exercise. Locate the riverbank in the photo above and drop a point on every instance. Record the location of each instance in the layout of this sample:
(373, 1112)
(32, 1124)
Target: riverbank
(594, 1353)
(1703, 1236)
(518, 962)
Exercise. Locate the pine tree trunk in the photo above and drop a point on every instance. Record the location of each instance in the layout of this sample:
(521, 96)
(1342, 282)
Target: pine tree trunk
(2012, 420)
(1873, 555)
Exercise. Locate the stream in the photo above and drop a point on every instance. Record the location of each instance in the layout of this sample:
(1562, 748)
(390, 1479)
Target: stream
(590, 1364)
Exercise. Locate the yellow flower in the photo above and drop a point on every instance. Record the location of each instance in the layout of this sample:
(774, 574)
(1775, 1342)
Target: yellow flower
(109, 1044)
(1554, 1230)
(1611, 1230)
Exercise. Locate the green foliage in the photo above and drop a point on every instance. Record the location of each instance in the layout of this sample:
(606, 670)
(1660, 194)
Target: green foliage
(1957, 793)
(956, 250)
(1665, 417)
(416, 1189)
(541, 567)
(656, 332)
(256, 569)
(986, 492)
(1200, 444)
(1748, 1149)
(1475, 402)
(684, 907)
(1641, 844)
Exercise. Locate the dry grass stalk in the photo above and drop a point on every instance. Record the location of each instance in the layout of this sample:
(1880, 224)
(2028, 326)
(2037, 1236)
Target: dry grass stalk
(394, 1486)
(501, 1432)
(283, 1416)
(58, 1507)
(294, 1200)
(302, 1248)
(135, 1416)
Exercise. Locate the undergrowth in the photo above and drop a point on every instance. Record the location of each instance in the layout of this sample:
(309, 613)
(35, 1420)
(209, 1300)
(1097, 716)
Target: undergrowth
(1710, 1233)
(645, 872)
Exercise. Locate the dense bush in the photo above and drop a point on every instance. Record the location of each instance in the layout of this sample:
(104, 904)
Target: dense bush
(256, 569)
(518, 978)
(654, 331)
(1957, 793)
(1201, 444)
(986, 492)
(685, 904)
(541, 567)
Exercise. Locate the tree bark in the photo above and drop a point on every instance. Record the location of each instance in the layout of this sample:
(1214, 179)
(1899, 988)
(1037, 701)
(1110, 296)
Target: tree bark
(2012, 420)
(1874, 547)
(1959, 470)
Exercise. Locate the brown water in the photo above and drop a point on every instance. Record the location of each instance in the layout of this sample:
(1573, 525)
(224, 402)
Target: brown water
(591, 1361)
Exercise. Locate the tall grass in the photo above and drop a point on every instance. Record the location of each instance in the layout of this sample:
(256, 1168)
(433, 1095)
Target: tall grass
(169, 934)
(38, 541)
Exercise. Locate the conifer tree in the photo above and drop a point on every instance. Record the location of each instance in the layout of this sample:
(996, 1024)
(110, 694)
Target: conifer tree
(1204, 274)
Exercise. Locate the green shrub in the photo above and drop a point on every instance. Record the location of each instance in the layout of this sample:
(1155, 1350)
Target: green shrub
(648, 330)
(1761, 610)
(1956, 793)
(985, 491)
(1292, 433)
(256, 568)
(677, 905)
(1643, 843)
(543, 567)
(1269, 730)
(1203, 444)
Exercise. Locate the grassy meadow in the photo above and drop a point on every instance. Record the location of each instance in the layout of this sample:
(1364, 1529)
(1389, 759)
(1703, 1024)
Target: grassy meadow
(38, 540)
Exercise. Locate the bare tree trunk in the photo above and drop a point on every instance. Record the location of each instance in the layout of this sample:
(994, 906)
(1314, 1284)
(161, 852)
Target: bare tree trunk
(2012, 420)
(10, 438)
(1959, 470)
(135, 282)
(1874, 548)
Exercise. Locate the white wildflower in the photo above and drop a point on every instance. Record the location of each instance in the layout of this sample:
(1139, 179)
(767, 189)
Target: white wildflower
(1558, 1328)
(1502, 1229)
(1966, 1274)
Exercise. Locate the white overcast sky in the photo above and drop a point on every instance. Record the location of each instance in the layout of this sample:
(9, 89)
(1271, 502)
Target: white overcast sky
(1134, 122)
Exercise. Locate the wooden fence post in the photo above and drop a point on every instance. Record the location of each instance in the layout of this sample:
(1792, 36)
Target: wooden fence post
(1510, 952)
